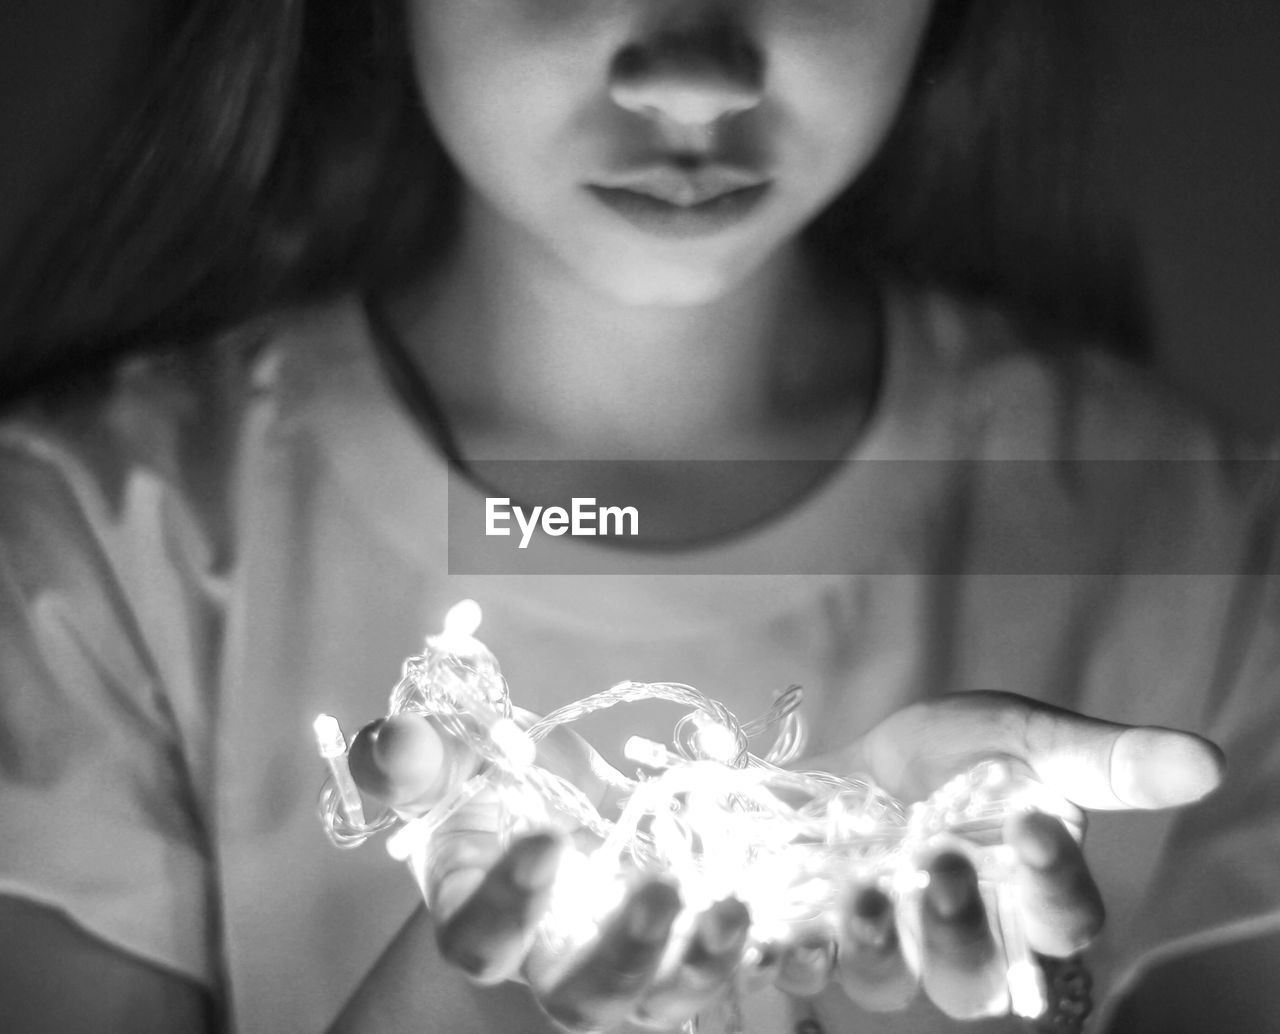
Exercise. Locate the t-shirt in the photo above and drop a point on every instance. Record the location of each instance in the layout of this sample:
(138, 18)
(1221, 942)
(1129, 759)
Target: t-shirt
(214, 545)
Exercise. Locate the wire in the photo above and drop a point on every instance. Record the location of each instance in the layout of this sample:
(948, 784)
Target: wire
(719, 818)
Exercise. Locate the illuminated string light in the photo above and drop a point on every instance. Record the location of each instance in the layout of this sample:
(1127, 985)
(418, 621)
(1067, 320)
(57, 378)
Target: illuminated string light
(333, 748)
(715, 741)
(463, 619)
(709, 813)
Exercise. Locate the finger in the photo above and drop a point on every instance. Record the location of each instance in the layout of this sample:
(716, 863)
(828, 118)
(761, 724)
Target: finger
(1104, 766)
(871, 966)
(959, 957)
(600, 986)
(406, 763)
(1059, 902)
(806, 966)
(1095, 763)
(489, 934)
(460, 854)
(703, 970)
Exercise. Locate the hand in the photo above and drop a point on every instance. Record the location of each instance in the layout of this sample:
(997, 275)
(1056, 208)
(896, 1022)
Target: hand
(486, 903)
(1092, 763)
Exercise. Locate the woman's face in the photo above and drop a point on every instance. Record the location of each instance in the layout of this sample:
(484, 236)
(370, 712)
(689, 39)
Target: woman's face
(660, 150)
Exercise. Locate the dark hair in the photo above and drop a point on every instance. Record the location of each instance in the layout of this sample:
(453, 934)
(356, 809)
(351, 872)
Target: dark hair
(281, 154)
(994, 182)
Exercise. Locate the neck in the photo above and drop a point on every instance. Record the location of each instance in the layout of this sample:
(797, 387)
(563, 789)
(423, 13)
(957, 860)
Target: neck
(517, 349)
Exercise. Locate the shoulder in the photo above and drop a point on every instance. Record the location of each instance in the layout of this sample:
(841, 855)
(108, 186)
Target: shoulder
(167, 420)
(1080, 439)
(1042, 392)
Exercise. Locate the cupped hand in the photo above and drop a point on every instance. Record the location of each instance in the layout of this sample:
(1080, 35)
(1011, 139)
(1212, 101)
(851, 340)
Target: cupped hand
(1091, 763)
(648, 962)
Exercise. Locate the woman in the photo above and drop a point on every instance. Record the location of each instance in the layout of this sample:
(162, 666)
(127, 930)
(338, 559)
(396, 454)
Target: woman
(661, 231)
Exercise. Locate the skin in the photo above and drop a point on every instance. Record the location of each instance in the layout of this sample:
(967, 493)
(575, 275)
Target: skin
(534, 98)
(483, 915)
(556, 329)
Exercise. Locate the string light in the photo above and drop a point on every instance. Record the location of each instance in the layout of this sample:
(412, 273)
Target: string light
(333, 748)
(708, 812)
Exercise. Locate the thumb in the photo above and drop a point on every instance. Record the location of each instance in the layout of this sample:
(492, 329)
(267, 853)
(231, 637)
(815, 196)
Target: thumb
(1104, 766)
(1093, 763)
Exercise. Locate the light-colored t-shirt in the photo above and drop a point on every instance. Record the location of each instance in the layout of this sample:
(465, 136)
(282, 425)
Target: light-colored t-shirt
(207, 551)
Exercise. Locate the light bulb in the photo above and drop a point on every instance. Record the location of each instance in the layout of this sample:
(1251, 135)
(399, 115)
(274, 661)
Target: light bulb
(586, 889)
(646, 752)
(1026, 989)
(714, 817)
(463, 619)
(514, 742)
(716, 741)
(333, 748)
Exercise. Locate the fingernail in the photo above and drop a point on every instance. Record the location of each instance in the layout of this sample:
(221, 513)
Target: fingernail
(1038, 839)
(723, 926)
(536, 861)
(651, 911)
(870, 918)
(398, 761)
(871, 904)
(952, 893)
(1161, 768)
(812, 957)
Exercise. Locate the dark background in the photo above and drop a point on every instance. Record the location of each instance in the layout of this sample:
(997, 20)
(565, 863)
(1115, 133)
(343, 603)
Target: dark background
(1195, 123)
(1192, 124)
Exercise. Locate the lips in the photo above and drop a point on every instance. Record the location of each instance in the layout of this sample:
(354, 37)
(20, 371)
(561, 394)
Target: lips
(684, 188)
(669, 201)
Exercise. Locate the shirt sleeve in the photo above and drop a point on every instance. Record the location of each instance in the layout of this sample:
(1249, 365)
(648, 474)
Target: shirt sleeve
(100, 819)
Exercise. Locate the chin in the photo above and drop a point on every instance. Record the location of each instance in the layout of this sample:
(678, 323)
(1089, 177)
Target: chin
(666, 284)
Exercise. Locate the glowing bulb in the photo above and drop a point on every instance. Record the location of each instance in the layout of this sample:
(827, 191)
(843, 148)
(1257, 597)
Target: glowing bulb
(406, 841)
(329, 736)
(716, 741)
(514, 742)
(586, 889)
(909, 880)
(769, 932)
(861, 824)
(463, 619)
(333, 748)
(1026, 989)
(711, 817)
(996, 773)
(646, 752)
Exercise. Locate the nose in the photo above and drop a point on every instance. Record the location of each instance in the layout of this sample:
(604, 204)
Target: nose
(693, 73)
